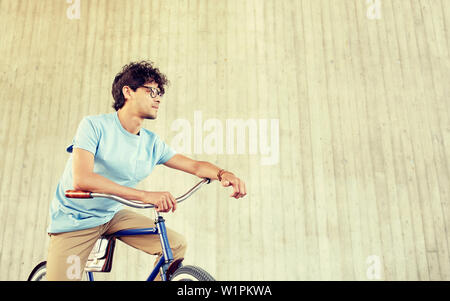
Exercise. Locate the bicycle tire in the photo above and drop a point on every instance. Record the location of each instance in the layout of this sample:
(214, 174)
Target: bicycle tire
(191, 273)
(39, 272)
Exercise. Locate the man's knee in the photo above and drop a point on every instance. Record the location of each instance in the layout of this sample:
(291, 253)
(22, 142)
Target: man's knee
(178, 245)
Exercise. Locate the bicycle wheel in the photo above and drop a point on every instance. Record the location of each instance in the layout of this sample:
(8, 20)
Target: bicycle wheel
(39, 272)
(191, 273)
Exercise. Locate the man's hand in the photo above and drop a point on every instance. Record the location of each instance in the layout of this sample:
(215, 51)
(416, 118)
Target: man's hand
(229, 179)
(163, 200)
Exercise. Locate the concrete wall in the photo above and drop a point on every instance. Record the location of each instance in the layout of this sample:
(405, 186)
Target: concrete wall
(353, 184)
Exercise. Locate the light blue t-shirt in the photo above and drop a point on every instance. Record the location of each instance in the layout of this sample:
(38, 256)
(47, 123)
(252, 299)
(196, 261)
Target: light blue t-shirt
(119, 156)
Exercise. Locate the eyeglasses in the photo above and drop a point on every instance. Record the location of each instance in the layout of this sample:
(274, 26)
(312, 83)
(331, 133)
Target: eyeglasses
(153, 91)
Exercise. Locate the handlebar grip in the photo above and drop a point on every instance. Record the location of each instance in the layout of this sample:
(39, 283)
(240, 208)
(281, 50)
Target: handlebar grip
(78, 194)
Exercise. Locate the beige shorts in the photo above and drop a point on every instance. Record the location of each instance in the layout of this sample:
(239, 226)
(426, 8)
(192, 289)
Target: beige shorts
(78, 244)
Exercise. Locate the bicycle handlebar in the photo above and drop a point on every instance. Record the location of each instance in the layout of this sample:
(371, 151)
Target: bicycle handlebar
(76, 194)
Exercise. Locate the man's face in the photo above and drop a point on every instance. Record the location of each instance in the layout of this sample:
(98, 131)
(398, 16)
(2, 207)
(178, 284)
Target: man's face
(142, 102)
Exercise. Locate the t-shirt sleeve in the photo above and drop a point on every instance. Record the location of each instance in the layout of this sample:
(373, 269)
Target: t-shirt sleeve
(163, 151)
(86, 136)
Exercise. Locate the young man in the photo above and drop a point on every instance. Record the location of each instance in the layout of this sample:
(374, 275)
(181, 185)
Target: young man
(111, 153)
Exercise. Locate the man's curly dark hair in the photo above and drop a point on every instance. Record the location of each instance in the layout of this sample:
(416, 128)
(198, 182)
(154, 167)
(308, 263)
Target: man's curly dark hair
(134, 75)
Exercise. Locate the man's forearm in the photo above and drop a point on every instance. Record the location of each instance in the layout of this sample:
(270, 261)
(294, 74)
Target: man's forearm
(207, 170)
(96, 183)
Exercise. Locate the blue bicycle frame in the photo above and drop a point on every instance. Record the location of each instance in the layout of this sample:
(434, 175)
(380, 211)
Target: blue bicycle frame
(167, 256)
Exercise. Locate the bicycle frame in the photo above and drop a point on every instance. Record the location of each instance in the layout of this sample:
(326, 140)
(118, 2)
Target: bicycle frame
(160, 229)
(167, 256)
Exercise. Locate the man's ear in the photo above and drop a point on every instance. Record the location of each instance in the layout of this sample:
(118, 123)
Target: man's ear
(126, 91)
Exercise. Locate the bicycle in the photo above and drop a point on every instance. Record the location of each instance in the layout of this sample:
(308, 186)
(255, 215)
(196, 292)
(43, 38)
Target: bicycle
(100, 258)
